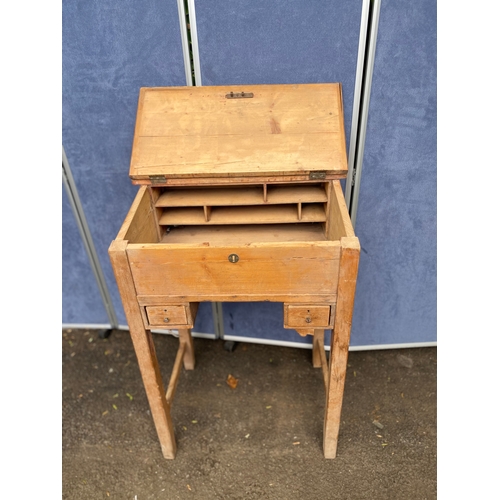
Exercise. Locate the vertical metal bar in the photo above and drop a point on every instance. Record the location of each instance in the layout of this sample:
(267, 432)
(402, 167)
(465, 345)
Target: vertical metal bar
(185, 42)
(367, 85)
(194, 42)
(218, 320)
(88, 243)
(363, 30)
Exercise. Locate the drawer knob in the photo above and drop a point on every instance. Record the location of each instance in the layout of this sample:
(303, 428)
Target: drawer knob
(308, 320)
(233, 258)
(166, 320)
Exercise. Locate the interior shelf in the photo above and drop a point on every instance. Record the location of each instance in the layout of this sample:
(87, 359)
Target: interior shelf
(241, 196)
(261, 204)
(243, 215)
(210, 197)
(295, 194)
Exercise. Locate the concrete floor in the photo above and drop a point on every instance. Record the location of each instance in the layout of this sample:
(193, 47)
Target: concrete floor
(261, 440)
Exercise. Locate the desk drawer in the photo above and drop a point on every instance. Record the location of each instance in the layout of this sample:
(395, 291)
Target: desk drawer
(306, 316)
(225, 273)
(170, 315)
(166, 315)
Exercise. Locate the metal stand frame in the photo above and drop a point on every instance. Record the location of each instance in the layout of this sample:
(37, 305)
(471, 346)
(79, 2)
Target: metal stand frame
(74, 199)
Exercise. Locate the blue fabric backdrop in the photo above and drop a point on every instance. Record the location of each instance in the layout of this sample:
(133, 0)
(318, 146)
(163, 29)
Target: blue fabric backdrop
(396, 220)
(81, 299)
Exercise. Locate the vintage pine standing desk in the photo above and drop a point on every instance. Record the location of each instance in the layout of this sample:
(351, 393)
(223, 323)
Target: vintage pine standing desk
(239, 200)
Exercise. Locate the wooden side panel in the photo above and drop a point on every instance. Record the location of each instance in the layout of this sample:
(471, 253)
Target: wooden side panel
(339, 348)
(154, 194)
(339, 221)
(140, 225)
(261, 269)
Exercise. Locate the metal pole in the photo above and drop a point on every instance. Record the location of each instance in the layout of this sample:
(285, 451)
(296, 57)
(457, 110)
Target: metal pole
(185, 42)
(365, 99)
(194, 42)
(88, 243)
(358, 87)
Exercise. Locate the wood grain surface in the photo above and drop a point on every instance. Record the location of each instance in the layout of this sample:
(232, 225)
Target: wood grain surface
(197, 132)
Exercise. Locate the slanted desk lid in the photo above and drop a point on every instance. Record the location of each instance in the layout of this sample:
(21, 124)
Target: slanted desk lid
(270, 130)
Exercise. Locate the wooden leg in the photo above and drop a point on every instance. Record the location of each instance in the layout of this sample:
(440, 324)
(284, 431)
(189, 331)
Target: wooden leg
(155, 391)
(318, 343)
(339, 347)
(144, 349)
(186, 338)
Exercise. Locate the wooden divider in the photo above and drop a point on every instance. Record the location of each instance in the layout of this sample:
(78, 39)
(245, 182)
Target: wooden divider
(261, 204)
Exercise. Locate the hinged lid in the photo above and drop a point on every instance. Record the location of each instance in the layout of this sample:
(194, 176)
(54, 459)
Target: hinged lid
(239, 130)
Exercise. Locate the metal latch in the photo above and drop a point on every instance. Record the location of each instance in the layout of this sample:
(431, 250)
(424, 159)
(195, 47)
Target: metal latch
(157, 179)
(317, 175)
(238, 95)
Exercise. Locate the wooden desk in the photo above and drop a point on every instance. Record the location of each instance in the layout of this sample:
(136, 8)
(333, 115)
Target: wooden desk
(239, 200)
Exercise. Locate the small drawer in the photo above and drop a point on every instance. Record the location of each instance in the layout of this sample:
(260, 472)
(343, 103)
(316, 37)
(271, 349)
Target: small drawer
(167, 316)
(306, 316)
